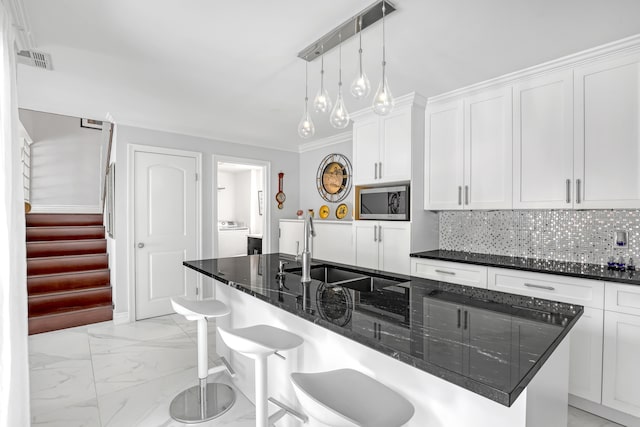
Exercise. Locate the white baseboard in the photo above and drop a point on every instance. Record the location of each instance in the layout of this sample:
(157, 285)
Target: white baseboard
(604, 411)
(121, 318)
(66, 209)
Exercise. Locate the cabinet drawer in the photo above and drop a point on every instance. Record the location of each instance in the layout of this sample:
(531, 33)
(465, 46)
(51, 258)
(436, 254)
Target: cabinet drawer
(589, 293)
(452, 272)
(622, 298)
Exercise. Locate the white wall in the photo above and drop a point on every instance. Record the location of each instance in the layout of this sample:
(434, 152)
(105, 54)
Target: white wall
(284, 161)
(256, 219)
(226, 191)
(309, 162)
(66, 163)
(243, 198)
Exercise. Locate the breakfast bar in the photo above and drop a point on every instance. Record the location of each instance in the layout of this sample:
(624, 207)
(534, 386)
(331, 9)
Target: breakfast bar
(460, 355)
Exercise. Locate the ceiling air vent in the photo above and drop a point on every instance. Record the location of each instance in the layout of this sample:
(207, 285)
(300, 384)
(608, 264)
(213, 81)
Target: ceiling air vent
(35, 59)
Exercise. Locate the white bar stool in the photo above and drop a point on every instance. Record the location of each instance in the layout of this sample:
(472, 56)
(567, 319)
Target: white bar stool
(258, 342)
(348, 398)
(204, 401)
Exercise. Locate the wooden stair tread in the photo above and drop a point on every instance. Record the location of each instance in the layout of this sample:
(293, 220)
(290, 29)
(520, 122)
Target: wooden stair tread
(49, 248)
(43, 283)
(70, 318)
(56, 302)
(64, 233)
(49, 219)
(61, 264)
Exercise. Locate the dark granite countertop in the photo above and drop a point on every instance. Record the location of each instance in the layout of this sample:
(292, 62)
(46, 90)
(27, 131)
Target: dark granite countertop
(488, 342)
(563, 268)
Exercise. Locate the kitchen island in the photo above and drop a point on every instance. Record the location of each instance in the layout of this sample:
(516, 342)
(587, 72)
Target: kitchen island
(463, 356)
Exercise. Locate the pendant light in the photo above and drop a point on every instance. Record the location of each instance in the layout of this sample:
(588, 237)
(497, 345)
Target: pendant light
(360, 87)
(339, 117)
(383, 100)
(322, 101)
(306, 128)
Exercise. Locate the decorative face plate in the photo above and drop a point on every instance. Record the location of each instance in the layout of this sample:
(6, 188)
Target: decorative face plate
(333, 179)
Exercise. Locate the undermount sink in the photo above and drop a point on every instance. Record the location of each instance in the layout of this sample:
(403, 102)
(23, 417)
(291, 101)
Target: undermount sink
(334, 276)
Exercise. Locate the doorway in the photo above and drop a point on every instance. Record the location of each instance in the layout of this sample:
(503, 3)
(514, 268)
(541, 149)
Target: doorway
(240, 209)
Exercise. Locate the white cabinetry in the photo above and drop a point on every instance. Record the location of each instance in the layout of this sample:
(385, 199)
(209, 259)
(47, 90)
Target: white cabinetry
(485, 157)
(621, 377)
(543, 142)
(585, 373)
(291, 234)
(607, 133)
(333, 242)
(382, 147)
(453, 272)
(383, 245)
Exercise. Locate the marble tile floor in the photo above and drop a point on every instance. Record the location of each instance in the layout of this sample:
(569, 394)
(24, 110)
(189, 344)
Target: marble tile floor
(107, 375)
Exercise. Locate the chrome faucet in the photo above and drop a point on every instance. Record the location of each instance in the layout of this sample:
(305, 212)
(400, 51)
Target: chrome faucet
(309, 232)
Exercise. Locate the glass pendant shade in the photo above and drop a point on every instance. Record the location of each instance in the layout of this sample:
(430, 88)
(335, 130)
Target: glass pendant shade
(322, 101)
(383, 100)
(360, 87)
(339, 118)
(306, 128)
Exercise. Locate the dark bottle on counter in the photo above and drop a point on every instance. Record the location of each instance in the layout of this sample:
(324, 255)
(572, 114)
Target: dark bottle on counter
(621, 264)
(630, 265)
(611, 264)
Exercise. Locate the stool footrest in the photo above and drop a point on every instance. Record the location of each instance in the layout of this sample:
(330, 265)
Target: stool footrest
(224, 367)
(285, 409)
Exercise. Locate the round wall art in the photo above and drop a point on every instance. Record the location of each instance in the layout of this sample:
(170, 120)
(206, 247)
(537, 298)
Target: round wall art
(334, 178)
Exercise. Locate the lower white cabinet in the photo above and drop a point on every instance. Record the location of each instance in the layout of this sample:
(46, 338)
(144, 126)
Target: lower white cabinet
(453, 272)
(333, 242)
(291, 233)
(585, 369)
(621, 358)
(383, 245)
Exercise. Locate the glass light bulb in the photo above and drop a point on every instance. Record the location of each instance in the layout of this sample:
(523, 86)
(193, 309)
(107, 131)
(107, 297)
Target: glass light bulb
(360, 87)
(306, 128)
(383, 100)
(339, 118)
(322, 102)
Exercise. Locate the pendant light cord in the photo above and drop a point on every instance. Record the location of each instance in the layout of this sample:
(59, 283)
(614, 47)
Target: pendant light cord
(360, 50)
(384, 56)
(340, 62)
(322, 69)
(306, 84)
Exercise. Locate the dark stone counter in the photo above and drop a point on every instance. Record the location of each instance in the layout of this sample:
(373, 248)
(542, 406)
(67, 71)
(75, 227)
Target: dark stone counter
(488, 342)
(562, 268)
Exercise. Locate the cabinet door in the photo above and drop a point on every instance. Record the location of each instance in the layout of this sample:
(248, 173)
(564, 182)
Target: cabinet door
(366, 150)
(291, 237)
(543, 142)
(488, 150)
(607, 138)
(333, 242)
(366, 243)
(388, 333)
(621, 370)
(395, 158)
(585, 367)
(394, 241)
(444, 156)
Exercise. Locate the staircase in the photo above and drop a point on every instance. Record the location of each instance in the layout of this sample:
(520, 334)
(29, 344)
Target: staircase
(67, 271)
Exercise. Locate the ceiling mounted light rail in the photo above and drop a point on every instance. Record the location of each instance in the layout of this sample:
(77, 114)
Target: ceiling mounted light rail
(346, 30)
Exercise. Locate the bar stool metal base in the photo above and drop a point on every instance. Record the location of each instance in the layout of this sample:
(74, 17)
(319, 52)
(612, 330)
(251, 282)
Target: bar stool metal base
(188, 407)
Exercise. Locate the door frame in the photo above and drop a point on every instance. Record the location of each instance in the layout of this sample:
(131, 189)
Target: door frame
(132, 149)
(266, 172)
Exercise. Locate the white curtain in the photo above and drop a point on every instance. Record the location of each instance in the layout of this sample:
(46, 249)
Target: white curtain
(14, 368)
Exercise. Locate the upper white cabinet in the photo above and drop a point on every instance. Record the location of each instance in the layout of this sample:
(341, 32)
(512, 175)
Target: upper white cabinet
(607, 137)
(468, 152)
(543, 142)
(382, 147)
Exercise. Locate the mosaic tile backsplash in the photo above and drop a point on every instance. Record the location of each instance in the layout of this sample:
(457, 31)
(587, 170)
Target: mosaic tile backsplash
(563, 235)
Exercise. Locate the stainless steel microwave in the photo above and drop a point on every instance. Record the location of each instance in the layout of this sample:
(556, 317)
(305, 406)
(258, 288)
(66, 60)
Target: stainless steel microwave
(385, 203)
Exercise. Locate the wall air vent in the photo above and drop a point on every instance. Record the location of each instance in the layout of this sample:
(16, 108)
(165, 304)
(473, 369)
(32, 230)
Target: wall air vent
(35, 59)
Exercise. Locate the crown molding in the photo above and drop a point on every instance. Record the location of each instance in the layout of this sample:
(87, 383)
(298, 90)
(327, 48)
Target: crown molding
(410, 99)
(325, 142)
(24, 38)
(623, 46)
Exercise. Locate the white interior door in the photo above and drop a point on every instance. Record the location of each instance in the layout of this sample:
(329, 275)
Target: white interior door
(165, 229)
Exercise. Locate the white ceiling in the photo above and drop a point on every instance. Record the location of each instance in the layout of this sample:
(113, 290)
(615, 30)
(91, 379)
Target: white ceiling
(229, 70)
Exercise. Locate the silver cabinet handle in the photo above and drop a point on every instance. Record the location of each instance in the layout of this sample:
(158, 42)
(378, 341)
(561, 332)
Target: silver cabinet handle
(568, 191)
(451, 273)
(459, 194)
(379, 233)
(375, 233)
(141, 245)
(380, 169)
(375, 169)
(547, 288)
(466, 194)
(578, 198)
